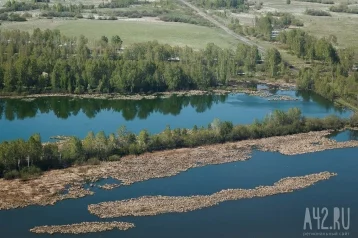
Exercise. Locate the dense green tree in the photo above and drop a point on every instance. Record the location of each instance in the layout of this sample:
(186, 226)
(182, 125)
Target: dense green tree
(272, 61)
(71, 150)
(89, 144)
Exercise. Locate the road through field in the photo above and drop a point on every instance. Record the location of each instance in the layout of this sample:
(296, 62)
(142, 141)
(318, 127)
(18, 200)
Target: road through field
(226, 29)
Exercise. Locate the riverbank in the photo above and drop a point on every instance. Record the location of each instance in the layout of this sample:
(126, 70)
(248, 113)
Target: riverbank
(117, 96)
(154, 205)
(49, 188)
(82, 228)
(238, 87)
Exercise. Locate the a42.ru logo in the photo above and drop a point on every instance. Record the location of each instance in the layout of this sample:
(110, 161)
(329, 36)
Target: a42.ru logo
(317, 218)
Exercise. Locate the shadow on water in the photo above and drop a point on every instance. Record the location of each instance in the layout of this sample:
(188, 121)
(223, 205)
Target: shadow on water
(270, 217)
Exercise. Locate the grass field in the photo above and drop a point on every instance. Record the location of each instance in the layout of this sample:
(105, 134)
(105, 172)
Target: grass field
(134, 31)
(342, 25)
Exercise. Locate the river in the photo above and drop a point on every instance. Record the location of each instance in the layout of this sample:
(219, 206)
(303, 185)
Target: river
(278, 216)
(54, 116)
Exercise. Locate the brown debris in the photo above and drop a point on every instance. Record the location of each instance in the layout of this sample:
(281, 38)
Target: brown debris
(270, 96)
(116, 96)
(154, 205)
(84, 227)
(303, 143)
(109, 186)
(76, 191)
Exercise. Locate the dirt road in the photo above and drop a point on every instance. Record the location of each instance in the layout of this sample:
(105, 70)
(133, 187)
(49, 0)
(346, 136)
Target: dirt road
(226, 29)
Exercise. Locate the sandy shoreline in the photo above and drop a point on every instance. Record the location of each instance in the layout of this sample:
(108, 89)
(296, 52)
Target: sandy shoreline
(48, 189)
(154, 205)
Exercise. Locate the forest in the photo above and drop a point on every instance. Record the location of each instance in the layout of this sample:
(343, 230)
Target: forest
(26, 159)
(47, 61)
(331, 72)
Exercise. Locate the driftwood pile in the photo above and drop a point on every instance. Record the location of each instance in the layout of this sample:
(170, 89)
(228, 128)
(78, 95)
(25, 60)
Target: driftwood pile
(282, 98)
(109, 186)
(76, 191)
(154, 205)
(84, 227)
(270, 96)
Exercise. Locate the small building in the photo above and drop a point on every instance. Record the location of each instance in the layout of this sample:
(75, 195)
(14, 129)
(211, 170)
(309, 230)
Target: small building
(275, 33)
(174, 59)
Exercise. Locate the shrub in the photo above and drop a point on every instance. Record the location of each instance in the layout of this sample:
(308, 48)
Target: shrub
(112, 18)
(26, 15)
(13, 174)
(185, 18)
(93, 161)
(313, 12)
(90, 16)
(30, 172)
(114, 158)
(134, 149)
(332, 122)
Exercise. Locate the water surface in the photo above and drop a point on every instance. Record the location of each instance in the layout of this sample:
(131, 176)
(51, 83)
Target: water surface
(67, 116)
(278, 216)
(342, 136)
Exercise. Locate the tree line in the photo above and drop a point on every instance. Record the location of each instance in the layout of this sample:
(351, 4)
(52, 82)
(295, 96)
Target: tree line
(214, 4)
(47, 61)
(25, 159)
(263, 26)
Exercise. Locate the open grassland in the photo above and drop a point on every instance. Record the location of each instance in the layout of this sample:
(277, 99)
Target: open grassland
(133, 31)
(342, 25)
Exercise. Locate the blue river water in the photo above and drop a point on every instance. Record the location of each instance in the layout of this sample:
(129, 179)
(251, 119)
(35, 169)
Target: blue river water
(278, 216)
(65, 116)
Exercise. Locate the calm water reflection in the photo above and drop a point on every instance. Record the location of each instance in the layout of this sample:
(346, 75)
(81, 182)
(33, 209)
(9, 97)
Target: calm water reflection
(67, 116)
